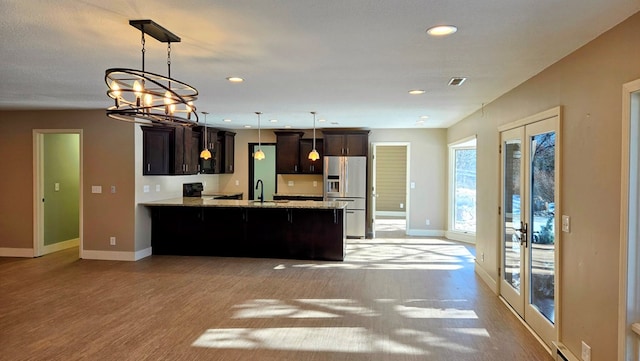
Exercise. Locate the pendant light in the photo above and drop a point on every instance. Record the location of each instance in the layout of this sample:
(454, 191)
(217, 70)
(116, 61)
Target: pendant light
(143, 97)
(259, 154)
(205, 154)
(313, 154)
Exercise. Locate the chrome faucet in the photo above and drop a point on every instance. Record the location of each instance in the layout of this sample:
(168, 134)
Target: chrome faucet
(259, 183)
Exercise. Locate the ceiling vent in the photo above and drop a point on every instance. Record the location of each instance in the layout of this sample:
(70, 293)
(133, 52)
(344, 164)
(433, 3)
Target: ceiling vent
(457, 81)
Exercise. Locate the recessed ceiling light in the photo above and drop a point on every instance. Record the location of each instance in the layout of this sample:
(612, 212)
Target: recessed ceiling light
(322, 120)
(287, 126)
(424, 117)
(235, 79)
(247, 126)
(416, 91)
(334, 123)
(273, 120)
(420, 122)
(226, 120)
(442, 30)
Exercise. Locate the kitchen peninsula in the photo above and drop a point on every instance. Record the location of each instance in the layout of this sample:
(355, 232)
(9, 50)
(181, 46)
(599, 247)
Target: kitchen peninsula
(202, 226)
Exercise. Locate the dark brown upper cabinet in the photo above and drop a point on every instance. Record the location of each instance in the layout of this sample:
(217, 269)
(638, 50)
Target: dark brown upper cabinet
(346, 142)
(288, 152)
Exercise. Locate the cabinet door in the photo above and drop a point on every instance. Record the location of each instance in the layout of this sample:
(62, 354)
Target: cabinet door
(194, 157)
(356, 144)
(308, 166)
(266, 231)
(333, 144)
(179, 150)
(228, 144)
(156, 150)
(287, 153)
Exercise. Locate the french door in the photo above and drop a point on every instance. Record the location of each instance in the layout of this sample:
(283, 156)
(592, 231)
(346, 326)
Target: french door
(529, 176)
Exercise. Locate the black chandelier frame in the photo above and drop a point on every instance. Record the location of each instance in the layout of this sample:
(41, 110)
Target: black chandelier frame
(148, 98)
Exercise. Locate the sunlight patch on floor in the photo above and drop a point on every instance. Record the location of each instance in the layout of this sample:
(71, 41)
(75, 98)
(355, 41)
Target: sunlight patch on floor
(316, 339)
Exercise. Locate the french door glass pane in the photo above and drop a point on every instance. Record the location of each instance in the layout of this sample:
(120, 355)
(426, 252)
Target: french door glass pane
(465, 190)
(512, 191)
(542, 210)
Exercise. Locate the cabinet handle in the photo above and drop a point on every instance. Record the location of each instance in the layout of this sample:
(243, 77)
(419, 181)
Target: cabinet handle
(347, 151)
(295, 168)
(148, 167)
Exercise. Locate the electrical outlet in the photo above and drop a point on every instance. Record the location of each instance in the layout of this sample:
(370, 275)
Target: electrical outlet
(482, 256)
(428, 222)
(113, 189)
(586, 352)
(290, 183)
(315, 183)
(237, 182)
(401, 205)
(112, 241)
(157, 187)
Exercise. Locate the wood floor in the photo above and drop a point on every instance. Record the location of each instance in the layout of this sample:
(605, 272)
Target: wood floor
(391, 299)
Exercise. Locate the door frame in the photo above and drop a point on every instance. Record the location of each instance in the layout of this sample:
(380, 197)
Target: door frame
(555, 112)
(374, 161)
(38, 189)
(251, 162)
(629, 232)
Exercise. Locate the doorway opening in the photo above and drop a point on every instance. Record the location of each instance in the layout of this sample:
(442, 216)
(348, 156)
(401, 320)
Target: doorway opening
(264, 169)
(390, 184)
(58, 190)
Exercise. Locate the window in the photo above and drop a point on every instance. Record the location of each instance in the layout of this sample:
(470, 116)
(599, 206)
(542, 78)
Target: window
(462, 182)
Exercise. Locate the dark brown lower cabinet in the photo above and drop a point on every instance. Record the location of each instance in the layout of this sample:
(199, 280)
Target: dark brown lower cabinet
(273, 232)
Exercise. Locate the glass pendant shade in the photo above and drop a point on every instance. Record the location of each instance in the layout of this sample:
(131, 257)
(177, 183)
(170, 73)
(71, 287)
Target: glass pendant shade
(313, 155)
(205, 154)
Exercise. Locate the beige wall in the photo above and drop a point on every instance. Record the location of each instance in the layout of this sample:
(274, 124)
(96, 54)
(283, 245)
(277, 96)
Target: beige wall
(107, 160)
(588, 85)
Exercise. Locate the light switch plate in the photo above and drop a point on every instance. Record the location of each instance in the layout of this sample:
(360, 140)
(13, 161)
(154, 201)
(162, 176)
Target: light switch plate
(96, 189)
(290, 183)
(145, 189)
(413, 185)
(566, 223)
(56, 187)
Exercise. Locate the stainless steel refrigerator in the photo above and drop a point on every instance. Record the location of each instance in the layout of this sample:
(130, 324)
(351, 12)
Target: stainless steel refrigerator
(345, 179)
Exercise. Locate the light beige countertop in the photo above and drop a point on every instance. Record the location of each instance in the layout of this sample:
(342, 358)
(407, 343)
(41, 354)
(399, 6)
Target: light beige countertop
(208, 201)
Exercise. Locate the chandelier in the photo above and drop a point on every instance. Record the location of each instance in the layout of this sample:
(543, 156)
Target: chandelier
(149, 98)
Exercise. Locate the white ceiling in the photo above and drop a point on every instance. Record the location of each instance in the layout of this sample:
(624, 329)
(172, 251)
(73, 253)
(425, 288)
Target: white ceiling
(352, 61)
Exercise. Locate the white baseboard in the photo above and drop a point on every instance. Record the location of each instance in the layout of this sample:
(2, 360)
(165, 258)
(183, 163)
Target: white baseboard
(50, 248)
(425, 232)
(116, 255)
(391, 214)
(16, 252)
(461, 236)
(493, 285)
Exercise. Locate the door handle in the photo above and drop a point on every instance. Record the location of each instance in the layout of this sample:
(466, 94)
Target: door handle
(523, 234)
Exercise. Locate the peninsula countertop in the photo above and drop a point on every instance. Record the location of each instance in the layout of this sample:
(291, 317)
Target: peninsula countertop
(208, 201)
